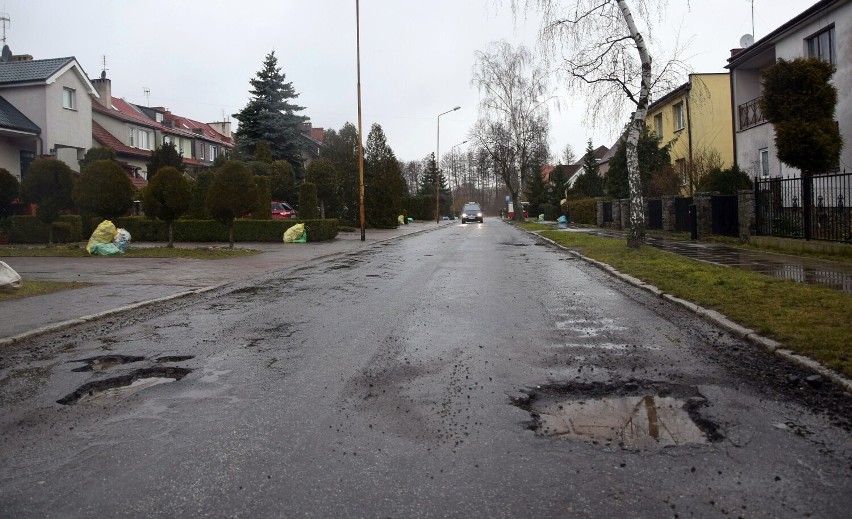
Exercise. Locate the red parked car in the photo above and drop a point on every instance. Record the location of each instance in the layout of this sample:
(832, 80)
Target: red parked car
(282, 210)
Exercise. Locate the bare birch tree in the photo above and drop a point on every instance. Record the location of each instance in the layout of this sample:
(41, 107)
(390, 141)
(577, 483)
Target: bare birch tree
(606, 56)
(513, 121)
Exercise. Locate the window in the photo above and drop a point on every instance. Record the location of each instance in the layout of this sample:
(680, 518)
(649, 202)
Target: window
(140, 138)
(764, 162)
(821, 46)
(68, 99)
(678, 116)
(213, 152)
(201, 150)
(658, 124)
(680, 165)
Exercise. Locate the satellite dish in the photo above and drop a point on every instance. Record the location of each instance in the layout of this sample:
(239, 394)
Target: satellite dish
(746, 41)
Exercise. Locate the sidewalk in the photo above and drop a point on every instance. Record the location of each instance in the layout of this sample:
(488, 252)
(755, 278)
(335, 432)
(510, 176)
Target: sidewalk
(120, 284)
(811, 271)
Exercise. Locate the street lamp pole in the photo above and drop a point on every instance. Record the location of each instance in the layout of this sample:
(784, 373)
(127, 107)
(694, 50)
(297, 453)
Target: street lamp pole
(360, 139)
(438, 168)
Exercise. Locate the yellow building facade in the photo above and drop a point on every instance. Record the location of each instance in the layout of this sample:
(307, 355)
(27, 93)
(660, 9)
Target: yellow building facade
(696, 120)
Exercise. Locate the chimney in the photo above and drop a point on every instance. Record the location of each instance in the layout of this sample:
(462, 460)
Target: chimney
(223, 127)
(734, 52)
(104, 88)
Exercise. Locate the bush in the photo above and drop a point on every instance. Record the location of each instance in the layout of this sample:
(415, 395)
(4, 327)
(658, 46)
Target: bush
(263, 206)
(104, 189)
(549, 211)
(29, 229)
(725, 181)
(308, 201)
(584, 210)
(419, 207)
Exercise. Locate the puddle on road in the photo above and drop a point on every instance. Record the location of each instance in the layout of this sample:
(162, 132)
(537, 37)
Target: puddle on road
(639, 422)
(174, 358)
(124, 385)
(628, 416)
(105, 362)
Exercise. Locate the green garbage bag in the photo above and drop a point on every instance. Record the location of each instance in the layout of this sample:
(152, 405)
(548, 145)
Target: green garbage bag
(104, 249)
(303, 238)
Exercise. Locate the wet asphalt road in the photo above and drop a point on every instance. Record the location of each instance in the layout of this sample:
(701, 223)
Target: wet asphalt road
(398, 382)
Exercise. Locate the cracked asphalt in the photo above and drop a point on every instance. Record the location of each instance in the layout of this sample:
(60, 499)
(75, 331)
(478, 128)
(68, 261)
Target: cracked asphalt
(399, 380)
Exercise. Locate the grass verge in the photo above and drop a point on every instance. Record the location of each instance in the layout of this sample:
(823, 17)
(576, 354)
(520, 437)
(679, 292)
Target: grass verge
(37, 288)
(811, 320)
(75, 251)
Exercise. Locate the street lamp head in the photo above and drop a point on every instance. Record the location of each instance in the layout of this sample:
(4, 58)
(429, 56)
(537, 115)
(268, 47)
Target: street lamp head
(456, 108)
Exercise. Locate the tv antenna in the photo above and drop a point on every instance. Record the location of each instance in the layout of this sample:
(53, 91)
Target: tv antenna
(104, 68)
(147, 92)
(4, 17)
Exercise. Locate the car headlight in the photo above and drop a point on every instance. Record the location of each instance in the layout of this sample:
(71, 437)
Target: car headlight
(479, 215)
(464, 215)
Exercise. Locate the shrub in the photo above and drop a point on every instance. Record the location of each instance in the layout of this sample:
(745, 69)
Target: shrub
(50, 184)
(725, 181)
(167, 197)
(29, 230)
(231, 195)
(263, 206)
(308, 201)
(9, 190)
(584, 210)
(104, 189)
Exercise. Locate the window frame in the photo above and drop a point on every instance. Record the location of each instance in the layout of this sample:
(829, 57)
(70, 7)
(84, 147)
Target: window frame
(658, 124)
(69, 98)
(679, 116)
(814, 45)
(763, 165)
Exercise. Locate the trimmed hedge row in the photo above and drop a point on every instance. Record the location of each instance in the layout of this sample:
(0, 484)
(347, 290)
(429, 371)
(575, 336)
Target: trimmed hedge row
(68, 229)
(583, 210)
(29, 230)
(145, 229)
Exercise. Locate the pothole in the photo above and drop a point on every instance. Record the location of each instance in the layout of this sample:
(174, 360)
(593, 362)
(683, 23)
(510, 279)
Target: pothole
(117, 387)
(174, 358)
(635, 416)
(105, 362)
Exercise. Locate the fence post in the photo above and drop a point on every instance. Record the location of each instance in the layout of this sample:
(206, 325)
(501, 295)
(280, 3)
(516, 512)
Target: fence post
(808, 204)
(746, 212)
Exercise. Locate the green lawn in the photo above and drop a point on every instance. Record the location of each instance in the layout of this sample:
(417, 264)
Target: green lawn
(37, 288)
(811, 320)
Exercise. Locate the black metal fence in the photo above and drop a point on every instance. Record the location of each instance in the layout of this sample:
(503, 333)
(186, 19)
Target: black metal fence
(813, 208)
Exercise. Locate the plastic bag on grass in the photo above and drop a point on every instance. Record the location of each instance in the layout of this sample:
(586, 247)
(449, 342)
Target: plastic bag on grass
(294, 233)
(104, 233)
(8, 277)
(104, 249)
(122, 240)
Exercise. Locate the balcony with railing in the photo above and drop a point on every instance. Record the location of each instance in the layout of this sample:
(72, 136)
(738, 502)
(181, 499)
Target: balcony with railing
(750, 114)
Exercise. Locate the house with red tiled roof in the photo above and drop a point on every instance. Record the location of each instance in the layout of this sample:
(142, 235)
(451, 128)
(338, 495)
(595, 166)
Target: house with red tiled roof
(134, 131)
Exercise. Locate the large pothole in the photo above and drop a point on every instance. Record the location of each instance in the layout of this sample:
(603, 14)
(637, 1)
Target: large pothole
(102, 362)
(633, 415)
(124, 385)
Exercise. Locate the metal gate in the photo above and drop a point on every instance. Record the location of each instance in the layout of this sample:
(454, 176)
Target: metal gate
(607, 212)
(682, 204)
(725, 215)
(655, 214)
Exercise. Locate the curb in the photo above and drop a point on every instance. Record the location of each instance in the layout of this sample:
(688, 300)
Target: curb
(6, 341)
(716, 318)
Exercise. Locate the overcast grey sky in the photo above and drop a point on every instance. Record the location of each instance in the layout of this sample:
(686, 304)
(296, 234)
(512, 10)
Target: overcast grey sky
(196, 56)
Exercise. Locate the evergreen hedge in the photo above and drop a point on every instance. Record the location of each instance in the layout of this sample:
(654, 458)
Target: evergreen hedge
(144, 229)
(30, 230)
(583, 210)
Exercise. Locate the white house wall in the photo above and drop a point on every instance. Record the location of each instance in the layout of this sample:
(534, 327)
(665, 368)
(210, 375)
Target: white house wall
(790, 47)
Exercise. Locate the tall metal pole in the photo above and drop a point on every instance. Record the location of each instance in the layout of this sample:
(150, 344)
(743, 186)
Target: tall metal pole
(438, 168)
(360, 144)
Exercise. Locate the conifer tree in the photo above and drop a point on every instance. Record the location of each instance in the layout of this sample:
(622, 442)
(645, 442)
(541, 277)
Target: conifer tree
(383, 183)
(271, 116)
(165, 155)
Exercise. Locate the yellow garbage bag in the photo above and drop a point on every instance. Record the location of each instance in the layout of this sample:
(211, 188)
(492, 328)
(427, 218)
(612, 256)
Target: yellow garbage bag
(294, 233)
(103, 234)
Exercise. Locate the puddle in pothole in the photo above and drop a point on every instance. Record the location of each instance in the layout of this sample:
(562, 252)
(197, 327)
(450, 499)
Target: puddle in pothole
(629, 417)
(118, 387)
(103, 362)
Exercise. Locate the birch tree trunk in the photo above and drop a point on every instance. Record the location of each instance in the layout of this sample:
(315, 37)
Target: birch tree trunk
(636, 235)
